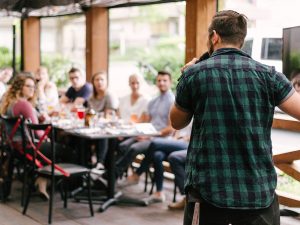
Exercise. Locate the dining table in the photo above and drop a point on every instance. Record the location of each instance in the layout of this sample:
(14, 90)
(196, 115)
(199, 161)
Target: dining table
(110, 130)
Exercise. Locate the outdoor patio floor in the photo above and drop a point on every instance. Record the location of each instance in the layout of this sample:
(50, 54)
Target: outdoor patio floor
(78, 213)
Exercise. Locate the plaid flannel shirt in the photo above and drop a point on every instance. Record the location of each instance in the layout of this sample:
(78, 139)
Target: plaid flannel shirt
(232, 98)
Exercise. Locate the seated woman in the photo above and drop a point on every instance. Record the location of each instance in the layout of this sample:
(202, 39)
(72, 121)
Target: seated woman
(295, 79)
(47, 94)
(102, 101)
(5, 76)
(20, 101)
(134, 105)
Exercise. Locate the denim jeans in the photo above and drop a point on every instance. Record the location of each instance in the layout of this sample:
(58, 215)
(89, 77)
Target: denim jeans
(129, 149)
(211, 215)
(177, 163)
(158, 151)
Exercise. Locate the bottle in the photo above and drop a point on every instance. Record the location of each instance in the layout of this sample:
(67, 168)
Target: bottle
(89, 114)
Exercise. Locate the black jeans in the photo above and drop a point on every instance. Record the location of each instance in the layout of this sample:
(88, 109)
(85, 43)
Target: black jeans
(211, 215)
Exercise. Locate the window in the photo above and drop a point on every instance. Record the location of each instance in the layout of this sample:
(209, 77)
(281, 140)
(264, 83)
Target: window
(247, 47)
(271, 48)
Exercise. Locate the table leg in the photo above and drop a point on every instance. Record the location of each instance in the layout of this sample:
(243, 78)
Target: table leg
(111, 176)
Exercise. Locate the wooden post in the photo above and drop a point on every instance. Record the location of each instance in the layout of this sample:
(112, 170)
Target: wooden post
(96, 40)
(31, 56)
(198, 17)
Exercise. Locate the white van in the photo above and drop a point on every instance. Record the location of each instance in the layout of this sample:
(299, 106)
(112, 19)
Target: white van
(265, 47)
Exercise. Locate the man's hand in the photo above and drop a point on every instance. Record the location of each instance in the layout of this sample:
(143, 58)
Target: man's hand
(142, 138)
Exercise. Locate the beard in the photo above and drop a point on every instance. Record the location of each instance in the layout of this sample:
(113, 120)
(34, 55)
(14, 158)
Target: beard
(210, 47)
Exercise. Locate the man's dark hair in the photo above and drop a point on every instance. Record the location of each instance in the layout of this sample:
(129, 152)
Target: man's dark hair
(230, 25)
(74, 70)
(164, 73)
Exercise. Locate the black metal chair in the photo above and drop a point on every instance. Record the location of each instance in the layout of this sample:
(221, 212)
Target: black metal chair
(52, 171)
(12, 152)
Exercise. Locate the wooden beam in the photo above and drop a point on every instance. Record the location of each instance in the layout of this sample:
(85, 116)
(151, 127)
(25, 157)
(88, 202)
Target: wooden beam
(286, 122)
(31, 44)
(198, 18)
(97, 30)
(292, 169)
(287, 157)
(288, 199)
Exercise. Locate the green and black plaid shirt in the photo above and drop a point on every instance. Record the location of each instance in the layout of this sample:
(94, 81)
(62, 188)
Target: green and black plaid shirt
(232, 98)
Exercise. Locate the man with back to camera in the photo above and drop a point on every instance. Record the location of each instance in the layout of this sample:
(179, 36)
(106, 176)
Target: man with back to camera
(79, 91)
(231, 177)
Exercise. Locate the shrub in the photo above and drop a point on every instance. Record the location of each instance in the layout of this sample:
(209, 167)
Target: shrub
(58, 68)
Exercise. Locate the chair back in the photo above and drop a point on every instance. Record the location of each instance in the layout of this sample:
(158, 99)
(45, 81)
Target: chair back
(12, 150)
(35, 145)
(13, 133)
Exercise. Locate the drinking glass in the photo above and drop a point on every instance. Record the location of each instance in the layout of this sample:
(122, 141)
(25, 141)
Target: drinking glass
(134, 118)
(80, 113)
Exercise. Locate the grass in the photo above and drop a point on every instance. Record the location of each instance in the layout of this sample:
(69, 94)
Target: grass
(288, 184)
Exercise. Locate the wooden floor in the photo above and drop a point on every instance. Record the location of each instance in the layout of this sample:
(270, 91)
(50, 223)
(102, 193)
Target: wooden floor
(78, 213)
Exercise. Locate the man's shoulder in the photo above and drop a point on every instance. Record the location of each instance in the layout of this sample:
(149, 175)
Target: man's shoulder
(70, 90)
(227, 62)
(87, 86)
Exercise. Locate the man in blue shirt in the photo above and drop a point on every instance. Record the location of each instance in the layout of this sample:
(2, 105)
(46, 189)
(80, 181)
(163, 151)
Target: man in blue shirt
(79, 92)
(158, 115)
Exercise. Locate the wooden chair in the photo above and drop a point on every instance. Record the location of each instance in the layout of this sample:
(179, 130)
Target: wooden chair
(52, 171)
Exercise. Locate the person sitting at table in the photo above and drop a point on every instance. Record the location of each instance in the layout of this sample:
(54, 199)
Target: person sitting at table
(79, 92)
(102, 101)
(20, 100)
(134, 105)
(5, 76)
(158, 115)
(159, 150)
(47, 94)
(295, 79)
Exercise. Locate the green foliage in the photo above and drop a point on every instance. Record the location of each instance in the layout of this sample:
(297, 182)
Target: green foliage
(152, 14)
(167, 54)
(6, 58)
(58, 68)
(288, 184)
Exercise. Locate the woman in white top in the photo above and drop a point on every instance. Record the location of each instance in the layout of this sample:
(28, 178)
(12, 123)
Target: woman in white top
(133, 106)
(46, 91)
